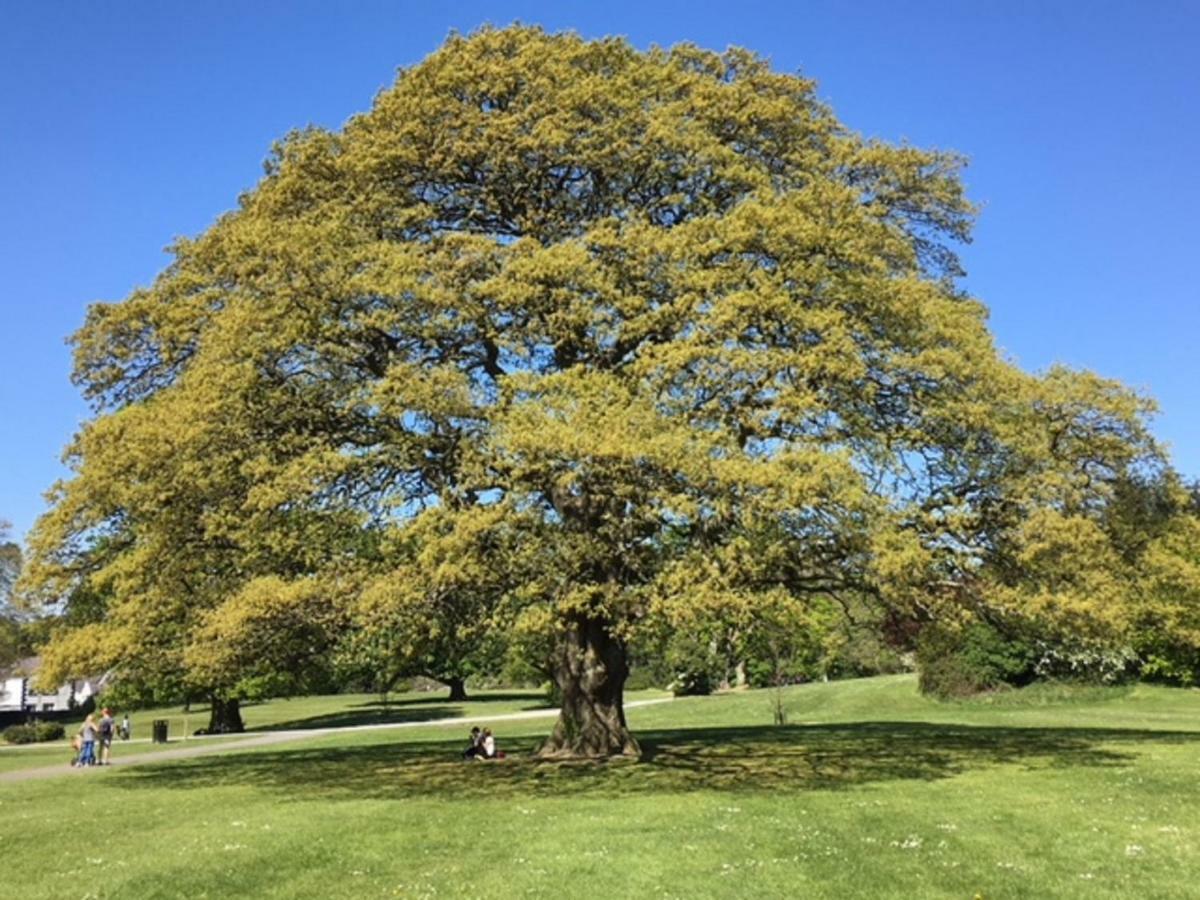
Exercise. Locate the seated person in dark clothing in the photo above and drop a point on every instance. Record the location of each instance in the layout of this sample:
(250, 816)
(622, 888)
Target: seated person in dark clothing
(476, 746)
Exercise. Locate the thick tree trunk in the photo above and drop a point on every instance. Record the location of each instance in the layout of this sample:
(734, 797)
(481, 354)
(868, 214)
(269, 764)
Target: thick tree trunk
(226, 717)
(590, 673)
(458, 689)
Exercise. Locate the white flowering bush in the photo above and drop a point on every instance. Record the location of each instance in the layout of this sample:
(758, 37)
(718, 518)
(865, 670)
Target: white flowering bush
(1097, 663)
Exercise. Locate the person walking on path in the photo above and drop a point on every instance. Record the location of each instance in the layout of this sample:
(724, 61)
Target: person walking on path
(87, 734)
(106, 736)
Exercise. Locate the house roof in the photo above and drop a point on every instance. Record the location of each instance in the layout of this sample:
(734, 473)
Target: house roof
(28, 667)
(22, 667)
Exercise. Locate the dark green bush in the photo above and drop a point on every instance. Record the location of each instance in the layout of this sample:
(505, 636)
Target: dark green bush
(961, 662)
(692, 684)
(49, 731)
(20, 734)
(1168, 662)
(695, 665)
(34, 732)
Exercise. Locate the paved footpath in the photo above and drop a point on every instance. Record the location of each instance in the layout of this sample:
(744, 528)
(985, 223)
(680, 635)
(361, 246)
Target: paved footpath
(197, 746)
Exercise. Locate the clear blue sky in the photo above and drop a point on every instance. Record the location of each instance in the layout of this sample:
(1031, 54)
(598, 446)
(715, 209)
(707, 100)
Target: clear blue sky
(123, 125)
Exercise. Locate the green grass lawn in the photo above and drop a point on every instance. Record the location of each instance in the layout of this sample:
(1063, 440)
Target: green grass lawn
(34, 756)
(37, 756)
(871, 791)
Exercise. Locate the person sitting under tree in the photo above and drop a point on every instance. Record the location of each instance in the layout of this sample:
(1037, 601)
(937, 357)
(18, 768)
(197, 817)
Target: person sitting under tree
(487, 747)
(475, 748)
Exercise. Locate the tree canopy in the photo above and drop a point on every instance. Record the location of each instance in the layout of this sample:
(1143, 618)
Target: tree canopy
(10, 563)
(12, 643)
(561, 338)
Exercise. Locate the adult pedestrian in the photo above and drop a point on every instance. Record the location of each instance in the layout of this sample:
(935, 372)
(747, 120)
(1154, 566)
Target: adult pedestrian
(87, 735)
(106, 736)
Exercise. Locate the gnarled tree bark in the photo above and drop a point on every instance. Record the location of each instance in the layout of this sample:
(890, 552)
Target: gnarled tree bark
(590, 670)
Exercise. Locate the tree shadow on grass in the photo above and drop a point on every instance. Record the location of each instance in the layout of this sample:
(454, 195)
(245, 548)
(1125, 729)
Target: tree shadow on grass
(415, 709)
(742, 760)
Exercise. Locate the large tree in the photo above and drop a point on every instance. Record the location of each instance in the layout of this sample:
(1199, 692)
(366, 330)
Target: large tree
(10, 562)
(558, 334)
(12, 643)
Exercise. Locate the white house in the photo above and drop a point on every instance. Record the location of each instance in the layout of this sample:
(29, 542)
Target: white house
(17, 693)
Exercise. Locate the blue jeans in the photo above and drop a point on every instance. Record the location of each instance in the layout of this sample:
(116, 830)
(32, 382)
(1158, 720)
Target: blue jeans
(87, 755)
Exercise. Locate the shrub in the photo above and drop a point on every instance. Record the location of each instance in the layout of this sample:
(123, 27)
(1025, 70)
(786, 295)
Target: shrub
(1165, 661)
(1088, 663)
(960, 662)
(1178, 668)
(49, 731)
(33, 732)
(20, 734)
(695, 664)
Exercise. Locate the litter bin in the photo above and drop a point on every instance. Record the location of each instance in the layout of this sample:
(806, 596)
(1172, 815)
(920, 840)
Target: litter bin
(159, 731)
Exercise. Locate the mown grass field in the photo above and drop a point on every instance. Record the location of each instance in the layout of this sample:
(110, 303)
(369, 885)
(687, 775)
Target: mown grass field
(870, 791)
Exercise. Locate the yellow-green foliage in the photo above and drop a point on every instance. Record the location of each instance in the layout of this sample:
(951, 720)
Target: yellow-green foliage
(1170, 593)
(559, 328)
(269, 627)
